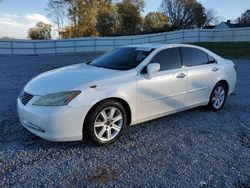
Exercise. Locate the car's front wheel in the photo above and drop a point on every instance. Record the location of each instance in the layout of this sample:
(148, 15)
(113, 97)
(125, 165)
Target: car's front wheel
(218, 97)
(105, 123)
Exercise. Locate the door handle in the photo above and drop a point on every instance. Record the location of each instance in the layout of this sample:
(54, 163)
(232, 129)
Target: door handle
(215, 69)
(181, 75)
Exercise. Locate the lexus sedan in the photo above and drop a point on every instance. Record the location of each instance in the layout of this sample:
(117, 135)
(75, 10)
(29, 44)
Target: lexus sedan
(97, 100)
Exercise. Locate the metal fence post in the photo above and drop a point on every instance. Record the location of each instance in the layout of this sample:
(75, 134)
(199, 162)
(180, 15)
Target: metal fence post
(34, 44)
(55, 47)
(11, 46)
(199, 34)
(95, 47)
(233, 37)
(74, 45)
(213, 32)
(183, 36)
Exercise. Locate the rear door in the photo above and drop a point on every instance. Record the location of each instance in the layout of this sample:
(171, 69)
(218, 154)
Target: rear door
(202, 71)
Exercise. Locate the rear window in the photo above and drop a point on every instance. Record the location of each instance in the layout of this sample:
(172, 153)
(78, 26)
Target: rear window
(193, 56)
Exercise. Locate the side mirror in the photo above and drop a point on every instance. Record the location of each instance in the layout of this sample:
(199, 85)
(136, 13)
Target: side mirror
(152, 69)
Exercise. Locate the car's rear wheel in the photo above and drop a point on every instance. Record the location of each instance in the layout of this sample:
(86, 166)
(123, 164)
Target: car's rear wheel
(218, 97)
(105, 123)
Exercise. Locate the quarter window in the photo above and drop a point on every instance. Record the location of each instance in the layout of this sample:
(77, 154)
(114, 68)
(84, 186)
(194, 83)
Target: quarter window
(211, 59)
(168, 59)
(193, 56)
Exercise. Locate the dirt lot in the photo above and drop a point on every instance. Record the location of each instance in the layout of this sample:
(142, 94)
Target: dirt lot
(195, 148)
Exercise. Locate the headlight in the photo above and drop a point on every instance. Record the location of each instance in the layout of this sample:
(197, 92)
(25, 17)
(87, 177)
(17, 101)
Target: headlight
(56, 99)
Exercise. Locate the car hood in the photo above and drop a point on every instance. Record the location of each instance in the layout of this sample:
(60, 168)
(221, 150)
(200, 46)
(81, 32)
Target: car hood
(67, 78)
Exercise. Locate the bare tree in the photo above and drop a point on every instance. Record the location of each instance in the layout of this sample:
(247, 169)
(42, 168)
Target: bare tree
(245, 18)
(57, 11)
(212, 17)
(184, 14)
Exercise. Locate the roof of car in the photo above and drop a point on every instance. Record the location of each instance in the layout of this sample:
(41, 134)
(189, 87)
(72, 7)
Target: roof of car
(163, 46)
(159, 45)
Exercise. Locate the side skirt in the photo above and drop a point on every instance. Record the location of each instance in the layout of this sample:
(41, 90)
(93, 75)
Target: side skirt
(168, 113)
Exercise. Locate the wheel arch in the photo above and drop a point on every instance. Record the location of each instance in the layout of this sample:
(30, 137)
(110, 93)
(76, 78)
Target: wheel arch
(120, 100)
(225, 83)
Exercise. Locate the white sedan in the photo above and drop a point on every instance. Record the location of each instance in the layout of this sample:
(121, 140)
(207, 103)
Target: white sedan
(129, 85)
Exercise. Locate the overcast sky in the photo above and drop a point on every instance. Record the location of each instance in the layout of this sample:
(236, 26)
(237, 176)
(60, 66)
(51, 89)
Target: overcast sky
(16, 16)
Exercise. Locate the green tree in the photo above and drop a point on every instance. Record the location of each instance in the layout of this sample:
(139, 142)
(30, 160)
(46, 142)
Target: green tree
(67, 32)
(184, 14)
(107, 18)
(130, 19)
(40, 31)
(245, 18)
(155, 22)
(82, 14)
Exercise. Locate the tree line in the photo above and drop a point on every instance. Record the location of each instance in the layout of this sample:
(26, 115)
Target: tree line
(85, 18)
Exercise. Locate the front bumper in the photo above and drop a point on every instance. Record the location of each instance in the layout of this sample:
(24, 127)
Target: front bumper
(63, 123)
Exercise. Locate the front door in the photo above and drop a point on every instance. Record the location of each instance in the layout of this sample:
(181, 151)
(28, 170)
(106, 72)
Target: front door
(166, 90)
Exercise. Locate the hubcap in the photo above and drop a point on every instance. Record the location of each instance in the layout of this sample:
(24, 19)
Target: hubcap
(218, 97)
(108, 124)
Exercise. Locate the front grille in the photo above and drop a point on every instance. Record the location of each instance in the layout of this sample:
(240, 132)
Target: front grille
(25, 97)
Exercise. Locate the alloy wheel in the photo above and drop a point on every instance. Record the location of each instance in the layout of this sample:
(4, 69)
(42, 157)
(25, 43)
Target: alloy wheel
(218, 97)
(108, 124)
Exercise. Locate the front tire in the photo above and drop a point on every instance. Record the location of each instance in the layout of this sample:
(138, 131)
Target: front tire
(218, 97)
(105, 123)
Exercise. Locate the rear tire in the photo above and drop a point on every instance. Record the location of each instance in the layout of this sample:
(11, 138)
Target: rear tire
(105, 123)
(218, 97)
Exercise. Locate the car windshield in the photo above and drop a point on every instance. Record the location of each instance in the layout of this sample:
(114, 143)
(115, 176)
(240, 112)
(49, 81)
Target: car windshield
(124, 58)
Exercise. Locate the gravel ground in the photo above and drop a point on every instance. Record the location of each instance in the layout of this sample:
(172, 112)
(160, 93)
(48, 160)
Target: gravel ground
(195, 148)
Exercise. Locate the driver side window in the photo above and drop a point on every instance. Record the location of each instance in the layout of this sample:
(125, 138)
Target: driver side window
(168, 59)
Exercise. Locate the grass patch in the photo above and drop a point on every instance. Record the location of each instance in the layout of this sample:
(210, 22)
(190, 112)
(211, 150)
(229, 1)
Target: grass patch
(239, 50)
